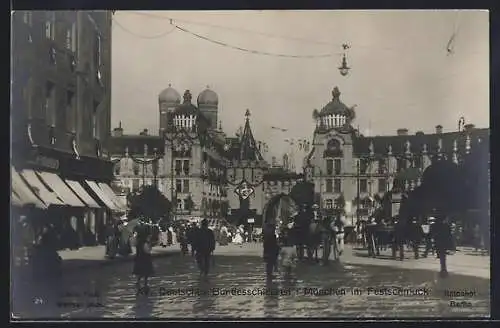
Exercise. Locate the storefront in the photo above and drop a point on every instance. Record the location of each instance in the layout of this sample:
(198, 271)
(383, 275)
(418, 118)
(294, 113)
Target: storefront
(72, 192)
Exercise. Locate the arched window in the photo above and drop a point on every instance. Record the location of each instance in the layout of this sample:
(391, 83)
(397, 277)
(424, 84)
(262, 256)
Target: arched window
(333, 148)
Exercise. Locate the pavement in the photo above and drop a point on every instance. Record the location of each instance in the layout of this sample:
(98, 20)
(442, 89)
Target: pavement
(464, 262)
(355, 287)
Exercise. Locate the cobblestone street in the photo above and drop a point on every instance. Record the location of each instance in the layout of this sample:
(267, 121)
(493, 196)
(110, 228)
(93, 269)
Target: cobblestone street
(349, 289)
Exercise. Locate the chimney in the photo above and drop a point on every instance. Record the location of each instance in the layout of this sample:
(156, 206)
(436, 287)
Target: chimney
(118, 132)
(402, 132)
(419, 133)
(439, 129)
(469, 127)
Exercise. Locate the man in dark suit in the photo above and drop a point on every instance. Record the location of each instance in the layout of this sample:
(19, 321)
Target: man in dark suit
(204, 245)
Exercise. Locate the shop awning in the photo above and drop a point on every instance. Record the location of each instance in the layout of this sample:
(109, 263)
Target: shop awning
(80, 191)
(23, 192)
(111, 195)
(46, 195)
(15, 200)
(102, 196)
(61, 189)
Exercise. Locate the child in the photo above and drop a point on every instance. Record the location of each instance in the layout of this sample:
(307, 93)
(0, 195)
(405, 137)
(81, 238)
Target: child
(288, 252)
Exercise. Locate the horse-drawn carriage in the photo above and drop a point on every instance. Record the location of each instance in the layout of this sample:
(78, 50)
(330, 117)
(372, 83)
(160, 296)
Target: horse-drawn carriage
(296, 213)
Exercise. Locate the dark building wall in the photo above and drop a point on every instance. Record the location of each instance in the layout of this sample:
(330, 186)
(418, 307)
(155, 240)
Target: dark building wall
(59, 49)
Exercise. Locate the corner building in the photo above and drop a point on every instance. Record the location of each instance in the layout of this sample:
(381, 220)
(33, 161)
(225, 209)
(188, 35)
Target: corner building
(61, 96)
(345, 163)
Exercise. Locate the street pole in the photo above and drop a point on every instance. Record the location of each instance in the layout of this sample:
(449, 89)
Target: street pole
(144, 173)
(357, 190)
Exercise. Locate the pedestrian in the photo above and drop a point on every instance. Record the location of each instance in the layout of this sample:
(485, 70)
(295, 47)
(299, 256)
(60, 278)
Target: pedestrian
(288, 251)
(271, 249)
(204, 247)
(442, 237)
(238, 237)
(426, 230)
(170, 236)
(143, 262)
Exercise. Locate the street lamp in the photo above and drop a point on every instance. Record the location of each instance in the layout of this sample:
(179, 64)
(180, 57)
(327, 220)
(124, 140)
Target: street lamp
(144, 162)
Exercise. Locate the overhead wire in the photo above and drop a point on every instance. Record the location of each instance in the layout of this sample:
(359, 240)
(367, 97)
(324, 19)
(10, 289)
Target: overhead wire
(150, 37)
(256, 52)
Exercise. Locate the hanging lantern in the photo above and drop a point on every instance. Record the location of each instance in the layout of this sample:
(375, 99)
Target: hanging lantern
(344, 69)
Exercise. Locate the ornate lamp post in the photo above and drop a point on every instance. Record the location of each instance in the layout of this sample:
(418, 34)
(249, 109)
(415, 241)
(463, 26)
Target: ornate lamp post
(144, 162)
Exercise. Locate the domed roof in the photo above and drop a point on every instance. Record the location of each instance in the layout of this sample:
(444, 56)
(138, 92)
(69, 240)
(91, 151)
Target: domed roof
(170, 96)
(208, 98)
(335, 106)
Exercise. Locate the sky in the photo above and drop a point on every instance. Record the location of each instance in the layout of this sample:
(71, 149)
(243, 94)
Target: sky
(401, 76)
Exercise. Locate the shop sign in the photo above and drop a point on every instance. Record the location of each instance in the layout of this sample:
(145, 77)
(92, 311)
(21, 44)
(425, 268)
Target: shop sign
(47, 162)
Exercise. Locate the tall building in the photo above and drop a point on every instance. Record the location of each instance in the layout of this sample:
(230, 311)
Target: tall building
(345, 163)
(192, 161)
(61, 112)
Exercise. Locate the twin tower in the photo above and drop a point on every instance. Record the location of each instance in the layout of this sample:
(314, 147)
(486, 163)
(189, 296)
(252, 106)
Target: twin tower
(169, 100)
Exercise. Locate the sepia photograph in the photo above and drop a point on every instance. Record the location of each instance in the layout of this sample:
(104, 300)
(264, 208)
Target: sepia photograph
(267, 164)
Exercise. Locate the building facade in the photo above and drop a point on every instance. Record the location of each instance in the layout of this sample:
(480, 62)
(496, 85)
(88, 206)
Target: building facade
(61, 111)
(345, 163)
(204, 171)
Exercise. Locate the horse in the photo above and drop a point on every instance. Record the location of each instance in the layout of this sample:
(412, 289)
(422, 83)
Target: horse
(321, 234)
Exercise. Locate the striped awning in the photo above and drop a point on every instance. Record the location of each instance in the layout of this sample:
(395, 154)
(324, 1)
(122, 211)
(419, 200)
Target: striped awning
(80, 191)
(15, 200)
(61, 189)
(102, 196)
(111, 195)
(23, 192)
(47, 196)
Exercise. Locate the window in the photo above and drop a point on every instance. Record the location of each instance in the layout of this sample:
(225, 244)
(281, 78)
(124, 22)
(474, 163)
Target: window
(49, 104)
(381, 167)
(186, 204)
(50, 26)
(186, 187)
(178, 168)
(28, 18)
(363, 185)
(401, 164)
(363, 166)
(418, 162)
(135, 184)
(338, 166)
(97, 57)
(69, 111)
(329, 167)
(186, 167)
(382, 185)
(178, 186)
(179, 204)
(94, 129)
(329, 185)
(328, 203)
(337, 185)
(71, 38)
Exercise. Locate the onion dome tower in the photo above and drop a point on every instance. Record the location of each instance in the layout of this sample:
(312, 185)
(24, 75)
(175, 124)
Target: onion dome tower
(168, 100)
(208, 104)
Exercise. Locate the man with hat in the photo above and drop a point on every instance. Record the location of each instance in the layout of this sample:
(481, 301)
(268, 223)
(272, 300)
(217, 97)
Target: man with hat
(204, 245)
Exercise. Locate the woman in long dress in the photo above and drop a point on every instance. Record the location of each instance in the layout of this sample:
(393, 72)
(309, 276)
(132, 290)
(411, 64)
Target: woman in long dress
(143, 262)
(238, 238)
